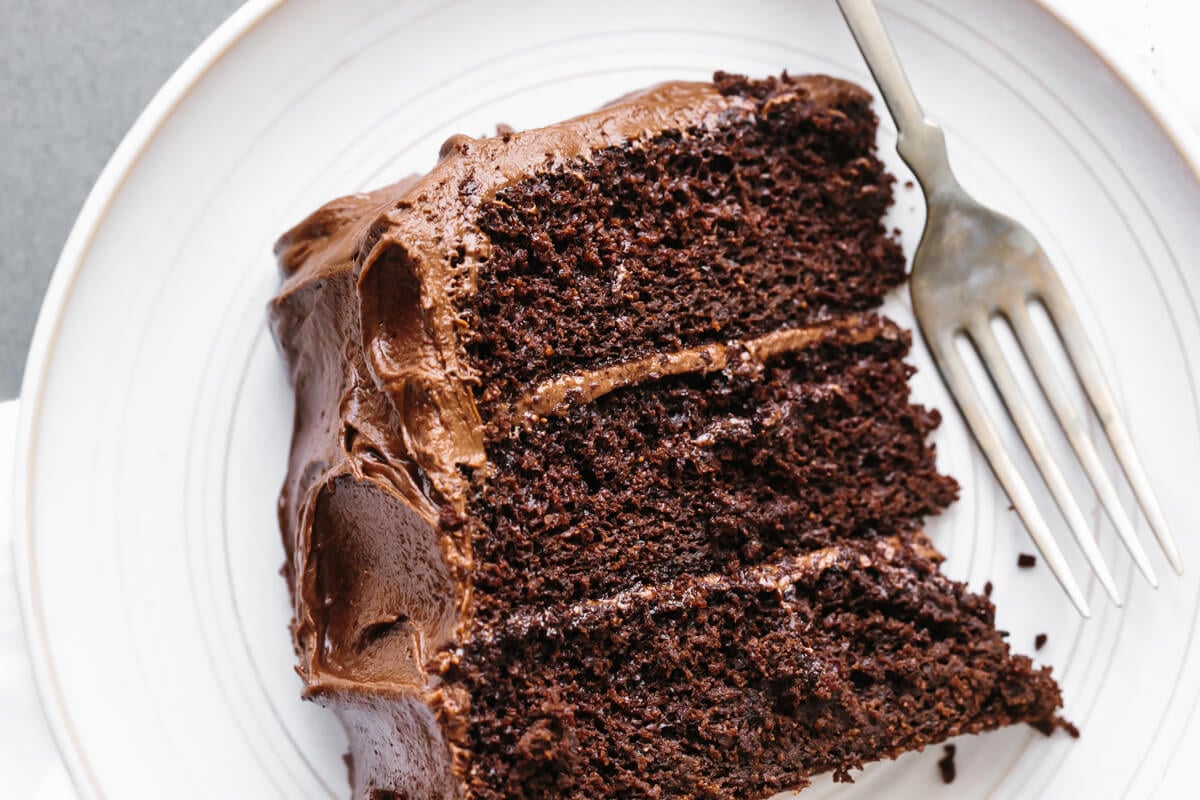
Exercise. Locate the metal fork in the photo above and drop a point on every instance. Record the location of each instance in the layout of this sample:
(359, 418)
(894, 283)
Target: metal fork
(973, 265)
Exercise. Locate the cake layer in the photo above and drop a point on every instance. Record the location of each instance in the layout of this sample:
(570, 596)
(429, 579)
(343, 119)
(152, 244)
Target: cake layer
(706, 471)
(694, 236)
(740, 685)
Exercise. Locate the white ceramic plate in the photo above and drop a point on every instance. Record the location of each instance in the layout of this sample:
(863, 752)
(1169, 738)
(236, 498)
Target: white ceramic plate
(156, 414)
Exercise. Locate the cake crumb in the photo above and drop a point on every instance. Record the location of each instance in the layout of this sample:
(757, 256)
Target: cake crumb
(909, 184)
(987, 590)
(1048, 726)
(1039, 641)
(946, 764)
(1026, 561)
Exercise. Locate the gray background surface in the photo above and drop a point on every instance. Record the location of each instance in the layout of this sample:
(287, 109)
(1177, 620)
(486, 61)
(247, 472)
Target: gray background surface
(74, 74)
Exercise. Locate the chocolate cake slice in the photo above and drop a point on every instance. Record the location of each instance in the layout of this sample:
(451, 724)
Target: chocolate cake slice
(605, 480)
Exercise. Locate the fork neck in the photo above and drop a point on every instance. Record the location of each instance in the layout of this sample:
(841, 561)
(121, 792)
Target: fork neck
(922, 145)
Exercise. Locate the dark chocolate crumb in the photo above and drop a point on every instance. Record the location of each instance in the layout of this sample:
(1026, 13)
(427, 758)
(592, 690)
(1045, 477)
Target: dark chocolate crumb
(1026, 561)
(1049, 726)
(987, 589)
(1039, 641)
(908, 184)
(946, 764)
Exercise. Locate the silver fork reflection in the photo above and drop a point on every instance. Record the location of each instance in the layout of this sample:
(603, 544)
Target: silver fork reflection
(973, 265)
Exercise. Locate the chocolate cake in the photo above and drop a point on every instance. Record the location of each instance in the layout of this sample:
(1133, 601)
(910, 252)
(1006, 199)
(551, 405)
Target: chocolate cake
(605, 480)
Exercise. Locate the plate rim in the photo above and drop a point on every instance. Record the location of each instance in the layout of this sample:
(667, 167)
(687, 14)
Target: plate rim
(1163, 110)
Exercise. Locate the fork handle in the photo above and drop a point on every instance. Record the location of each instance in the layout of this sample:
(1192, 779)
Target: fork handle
(920, 142)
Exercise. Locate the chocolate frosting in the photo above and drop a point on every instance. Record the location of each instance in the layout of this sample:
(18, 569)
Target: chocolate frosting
(557, 396)
(386, 426)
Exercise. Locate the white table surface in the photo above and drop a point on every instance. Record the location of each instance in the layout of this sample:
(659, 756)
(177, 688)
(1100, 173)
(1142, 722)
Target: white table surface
(1157, 36)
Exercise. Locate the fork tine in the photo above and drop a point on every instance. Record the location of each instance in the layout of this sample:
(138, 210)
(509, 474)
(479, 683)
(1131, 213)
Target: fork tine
(1087, 368)
(962, 388)
(1072, 423)
(1022, 415)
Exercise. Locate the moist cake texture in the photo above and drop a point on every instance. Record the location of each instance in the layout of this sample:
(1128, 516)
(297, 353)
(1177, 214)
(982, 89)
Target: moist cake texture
(605, 480)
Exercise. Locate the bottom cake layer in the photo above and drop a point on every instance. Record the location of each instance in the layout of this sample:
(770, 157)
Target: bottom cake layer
(739, 686)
